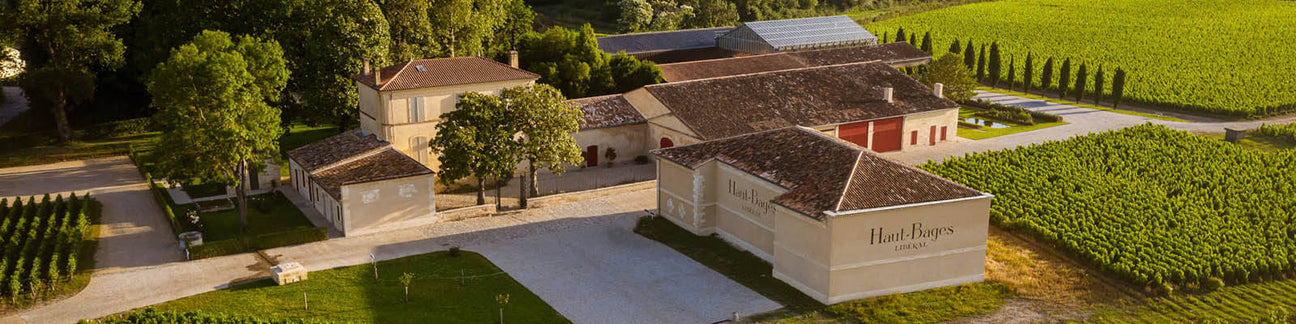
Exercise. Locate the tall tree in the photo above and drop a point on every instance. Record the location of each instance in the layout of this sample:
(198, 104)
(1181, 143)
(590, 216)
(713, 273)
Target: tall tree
(1082, 76)
(713, 13)
(572, 62)
(62, 42)
(900, 35)
(337, 37)
(1046, 75)
(981, 64)
(212, 98)
(1028, 73)
(995, 65)
(410, 29)
(950, 71)
(913, 39)
(954, 47)
(1012, 73)
(1064, 78)
(518, 21)
(1098, 85)
(1118, 87)
(546, 122)
(463, 27)
(969, 56)
(476, 139)
(927, 43)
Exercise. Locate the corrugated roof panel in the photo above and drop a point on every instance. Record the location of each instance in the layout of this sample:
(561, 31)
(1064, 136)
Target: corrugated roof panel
(811, 32)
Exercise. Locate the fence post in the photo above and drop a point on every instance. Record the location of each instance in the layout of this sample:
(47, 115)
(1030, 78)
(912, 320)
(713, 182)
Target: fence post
(305, 302)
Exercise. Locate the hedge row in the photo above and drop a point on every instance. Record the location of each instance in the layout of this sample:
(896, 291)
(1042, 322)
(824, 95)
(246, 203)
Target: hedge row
(152, 316)
(1035, 116)
(294, 236)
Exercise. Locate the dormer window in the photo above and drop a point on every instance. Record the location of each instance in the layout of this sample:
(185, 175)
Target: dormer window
(416, 113)
(420, 68)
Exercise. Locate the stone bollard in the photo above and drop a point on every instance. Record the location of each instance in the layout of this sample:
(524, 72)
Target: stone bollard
(1234, 135)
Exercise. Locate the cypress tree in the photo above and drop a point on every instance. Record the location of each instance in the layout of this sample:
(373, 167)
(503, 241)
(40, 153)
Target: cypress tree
(969, 56)
(900, 35)
(1046, 76)
(913, 39)
(1012, 73)
(981, 64)
(1026, 73)
(955, 48)
(1118, 87)
(995, 65)
(1080, 84)
(927, 43)
(884, 37)
(1098, 85)
(1064, 78)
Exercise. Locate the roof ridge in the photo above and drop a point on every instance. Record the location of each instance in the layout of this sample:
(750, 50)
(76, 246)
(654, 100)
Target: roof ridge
(808, 68)
(842, 197)
(666, 31)
(726, 59)
(382, 86)
(504, 65)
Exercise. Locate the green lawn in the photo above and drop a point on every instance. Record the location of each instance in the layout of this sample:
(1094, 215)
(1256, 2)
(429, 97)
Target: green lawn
(350, 294)
(76, 150)
(928, 306)
(987, 132)
(223, 225)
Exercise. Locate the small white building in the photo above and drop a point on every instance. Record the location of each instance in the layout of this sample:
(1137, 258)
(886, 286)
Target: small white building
(359, 182)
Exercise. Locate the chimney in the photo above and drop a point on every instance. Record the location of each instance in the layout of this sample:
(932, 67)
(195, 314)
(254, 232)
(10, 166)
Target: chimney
(366, 67)
(939, 90)
(887, 94)
(513, 59)
(378, 76)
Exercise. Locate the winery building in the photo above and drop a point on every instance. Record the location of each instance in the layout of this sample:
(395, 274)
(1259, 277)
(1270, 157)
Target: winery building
(749, 38)
(836, 221)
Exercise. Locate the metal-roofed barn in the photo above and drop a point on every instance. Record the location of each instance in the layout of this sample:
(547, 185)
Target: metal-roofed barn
(763, 37)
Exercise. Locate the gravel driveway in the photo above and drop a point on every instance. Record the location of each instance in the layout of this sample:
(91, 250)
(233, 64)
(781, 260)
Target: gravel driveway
(608, 274)
(1082, 121)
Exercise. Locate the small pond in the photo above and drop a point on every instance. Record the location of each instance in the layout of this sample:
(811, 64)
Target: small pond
(985, 123)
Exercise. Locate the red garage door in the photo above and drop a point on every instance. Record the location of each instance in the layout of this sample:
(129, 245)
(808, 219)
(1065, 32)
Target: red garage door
(857, 133)
(888, 134)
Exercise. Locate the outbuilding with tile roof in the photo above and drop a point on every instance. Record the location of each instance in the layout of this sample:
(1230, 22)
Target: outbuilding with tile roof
(361, 183)
(837, 221)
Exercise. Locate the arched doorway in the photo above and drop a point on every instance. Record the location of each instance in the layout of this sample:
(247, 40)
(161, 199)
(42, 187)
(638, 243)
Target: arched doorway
(666, 142)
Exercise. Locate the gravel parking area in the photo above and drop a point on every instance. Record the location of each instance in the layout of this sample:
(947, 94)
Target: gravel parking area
(609, 274)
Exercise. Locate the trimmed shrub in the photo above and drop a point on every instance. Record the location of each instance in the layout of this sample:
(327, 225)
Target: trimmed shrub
(1212, 284)
(119, 128)
(217, 248)
(289, 237)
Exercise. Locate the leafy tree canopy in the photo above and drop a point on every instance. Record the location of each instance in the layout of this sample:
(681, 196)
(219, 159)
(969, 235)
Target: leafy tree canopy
(949, 70)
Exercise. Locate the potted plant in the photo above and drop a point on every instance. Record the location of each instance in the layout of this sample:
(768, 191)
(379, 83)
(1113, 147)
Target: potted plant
(610, 156)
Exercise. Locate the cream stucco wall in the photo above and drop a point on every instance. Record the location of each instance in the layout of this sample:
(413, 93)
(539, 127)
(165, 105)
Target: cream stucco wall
(922, 123)
(629, 141)
(845, 256)
(744, 214)
(387, 114)
(370, 204)
(935, 245)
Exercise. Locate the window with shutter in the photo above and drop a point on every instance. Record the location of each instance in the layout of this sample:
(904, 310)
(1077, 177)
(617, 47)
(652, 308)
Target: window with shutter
(416, 113)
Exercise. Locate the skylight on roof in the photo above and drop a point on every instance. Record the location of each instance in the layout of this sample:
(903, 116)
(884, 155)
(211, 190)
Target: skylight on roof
(420, 68)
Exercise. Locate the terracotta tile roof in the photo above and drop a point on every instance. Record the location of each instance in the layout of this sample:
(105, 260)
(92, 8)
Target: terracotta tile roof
(607, 111)
(729, 106)
(817, 169)
(384, 165)
(706, 69)
(440, 72)
(335, 149)
(896, 54)
(661, 41)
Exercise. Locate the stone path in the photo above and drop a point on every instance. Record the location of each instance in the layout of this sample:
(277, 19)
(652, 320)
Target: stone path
(1082, 121)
